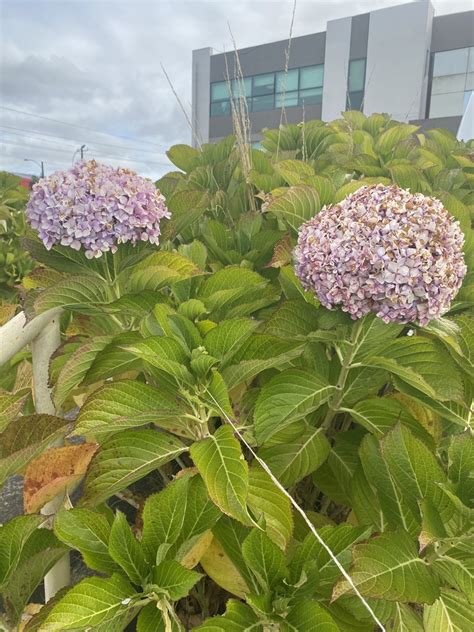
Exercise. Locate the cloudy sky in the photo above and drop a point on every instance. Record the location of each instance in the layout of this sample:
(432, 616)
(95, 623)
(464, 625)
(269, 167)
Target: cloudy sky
(88, 72)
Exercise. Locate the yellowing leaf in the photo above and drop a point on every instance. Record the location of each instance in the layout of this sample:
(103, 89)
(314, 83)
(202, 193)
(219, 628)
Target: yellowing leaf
(56, 470)
(219, 567)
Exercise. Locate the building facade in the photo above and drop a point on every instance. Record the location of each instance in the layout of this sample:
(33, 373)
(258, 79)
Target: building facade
(403, 60)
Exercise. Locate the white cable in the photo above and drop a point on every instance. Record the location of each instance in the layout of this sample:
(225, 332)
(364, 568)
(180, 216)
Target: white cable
(301, 512)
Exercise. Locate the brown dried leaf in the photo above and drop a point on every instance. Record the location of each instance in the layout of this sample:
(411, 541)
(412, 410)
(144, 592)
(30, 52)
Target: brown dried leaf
(56, 470)
(7, 312)
(282, 253)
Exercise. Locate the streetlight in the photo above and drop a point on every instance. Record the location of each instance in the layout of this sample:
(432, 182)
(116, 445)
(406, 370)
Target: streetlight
(40, 164)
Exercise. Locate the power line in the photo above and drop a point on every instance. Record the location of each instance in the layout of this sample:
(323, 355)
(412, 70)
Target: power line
(122, 147)
(89, 129)
(117, 158)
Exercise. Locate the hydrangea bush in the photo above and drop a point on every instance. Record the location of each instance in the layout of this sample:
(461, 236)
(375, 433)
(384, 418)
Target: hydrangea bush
(386, 251)
(96, 207)
(174, 360)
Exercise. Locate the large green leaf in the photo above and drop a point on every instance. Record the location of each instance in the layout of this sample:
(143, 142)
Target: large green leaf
(266, 500)
(160, 269)
(225, 340)
(14, 536)
(451, 612)
(124, 404)
(387, 141)
(388, 567)
(291, 461)
(11, 405)
(88, 532)
(174, 580)
(223, 468)
(80, 293)
(90, 603)
(456, 566)
(126, 551)
(166, 354)
(238, 617)
(125, 459)
(405, 620)
(265, 559)
(184, 157)
(292, 320)
(297, 205)
(289, 396)
(310, 616)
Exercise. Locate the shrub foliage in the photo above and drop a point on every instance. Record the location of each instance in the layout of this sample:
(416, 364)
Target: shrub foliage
(167, 351)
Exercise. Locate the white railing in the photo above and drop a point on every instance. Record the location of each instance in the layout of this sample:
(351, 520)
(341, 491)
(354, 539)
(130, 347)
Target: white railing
(43, 335)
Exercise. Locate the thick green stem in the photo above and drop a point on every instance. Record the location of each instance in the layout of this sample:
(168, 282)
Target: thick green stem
(346, 365)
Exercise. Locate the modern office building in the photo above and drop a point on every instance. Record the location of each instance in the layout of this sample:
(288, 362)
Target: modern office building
(403, 60)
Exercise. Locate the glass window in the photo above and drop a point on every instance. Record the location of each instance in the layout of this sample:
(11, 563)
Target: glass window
(311, 96)
(265, 102)
(220, 108)
(356, 78)
(288, 98)
(355, 100)
(219, 91)
(242, 87)
(448, 83)
(286, 82)
(450, 62)
(450, 104)
(263, 84)
(311, 77)
(470, 65)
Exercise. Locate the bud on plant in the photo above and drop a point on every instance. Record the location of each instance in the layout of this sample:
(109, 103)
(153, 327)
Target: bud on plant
(96, 207)
(383, 250)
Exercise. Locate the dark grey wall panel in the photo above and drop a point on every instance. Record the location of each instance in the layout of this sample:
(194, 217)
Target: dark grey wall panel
(453, 31)
(359, 36)
(448, 122)
(222, 126)
(305, 51)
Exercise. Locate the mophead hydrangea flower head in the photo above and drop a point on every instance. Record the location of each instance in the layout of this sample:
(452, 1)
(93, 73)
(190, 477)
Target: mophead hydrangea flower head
(383, 250)
(96, 207)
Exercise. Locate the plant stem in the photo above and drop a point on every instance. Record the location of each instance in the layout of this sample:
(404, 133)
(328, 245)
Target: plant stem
(346, 365)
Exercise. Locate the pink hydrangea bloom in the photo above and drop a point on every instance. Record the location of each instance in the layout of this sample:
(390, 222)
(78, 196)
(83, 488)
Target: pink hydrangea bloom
(96, 207)
(383, 250)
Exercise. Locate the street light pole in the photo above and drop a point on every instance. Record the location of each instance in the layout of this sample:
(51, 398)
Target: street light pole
(40, 164)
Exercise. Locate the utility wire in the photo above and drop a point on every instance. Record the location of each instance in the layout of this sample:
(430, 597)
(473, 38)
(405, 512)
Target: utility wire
(89, 129)
(79, 139)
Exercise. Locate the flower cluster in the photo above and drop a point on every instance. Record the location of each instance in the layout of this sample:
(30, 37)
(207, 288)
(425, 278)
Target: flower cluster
(383, 250)
(97, 207)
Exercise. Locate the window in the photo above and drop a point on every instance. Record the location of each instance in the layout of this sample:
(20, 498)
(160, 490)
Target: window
(452, 82)
(298, 86)
(355, 84)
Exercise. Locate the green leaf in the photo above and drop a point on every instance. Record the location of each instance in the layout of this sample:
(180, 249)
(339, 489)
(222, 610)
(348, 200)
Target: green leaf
(297, 205)
(158, 270)
(184, 157)
(88, 532)
(258, 353)
(291, 461)
(124, 404)
(294, 172)
(266, 500)
(225, 340)
(265, 559)
(221, 463)
(405, 620)
(387, 141)
(79, 293)
(150, 619)
(292, 320)
(288, 396)
(230, 535)
(126, 550)
(76, 367)
(450, 613)
(422, 364)
(11, 405)
(125, 459)
(396, 508)
(456, 567)
(90, 603)
(309, 616)
(163, 518)
(174, 580)
(238, 617)
(379, 414)
(388, 567)
(412, 466)
(165, 354)
(30, 572)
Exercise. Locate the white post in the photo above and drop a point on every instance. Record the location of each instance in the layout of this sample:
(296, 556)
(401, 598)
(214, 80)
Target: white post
(42, 348)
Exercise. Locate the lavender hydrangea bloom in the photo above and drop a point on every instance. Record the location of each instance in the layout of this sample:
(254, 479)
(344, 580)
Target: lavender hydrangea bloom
(383, 250)
(96, 207)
